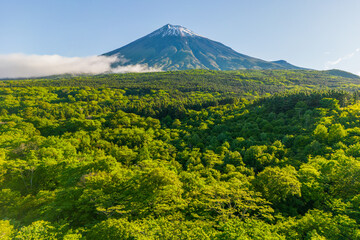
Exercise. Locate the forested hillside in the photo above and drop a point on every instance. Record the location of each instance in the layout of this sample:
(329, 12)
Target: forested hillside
(181, 155)
(243, 82)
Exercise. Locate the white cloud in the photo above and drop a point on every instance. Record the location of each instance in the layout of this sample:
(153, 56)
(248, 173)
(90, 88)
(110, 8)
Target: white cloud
(25, 66)
(330, 64)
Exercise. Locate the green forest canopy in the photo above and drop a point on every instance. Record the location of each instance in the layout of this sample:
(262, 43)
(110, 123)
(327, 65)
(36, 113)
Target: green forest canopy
(181, 155)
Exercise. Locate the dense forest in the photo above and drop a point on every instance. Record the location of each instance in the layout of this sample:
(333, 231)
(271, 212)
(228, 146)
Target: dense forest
(181, 155)
(245, 83)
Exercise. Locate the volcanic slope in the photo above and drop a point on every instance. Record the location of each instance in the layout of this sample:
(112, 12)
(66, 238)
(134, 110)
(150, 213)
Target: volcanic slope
(173, 47)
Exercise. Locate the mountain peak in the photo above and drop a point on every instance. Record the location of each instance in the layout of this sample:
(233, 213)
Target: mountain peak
(174, 47)
(281, 62)
(174, 30)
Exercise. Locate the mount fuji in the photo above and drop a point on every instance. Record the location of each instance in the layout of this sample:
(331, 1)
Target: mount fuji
(173, 47)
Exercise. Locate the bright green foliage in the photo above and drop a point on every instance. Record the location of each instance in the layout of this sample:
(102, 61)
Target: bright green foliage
(37, 230)
(115, 229)
(180, 155)
(337, 133)
(73, 236)
(321, 133)
(6, 230)
(278, 184)
(249, 229)
(320, 225)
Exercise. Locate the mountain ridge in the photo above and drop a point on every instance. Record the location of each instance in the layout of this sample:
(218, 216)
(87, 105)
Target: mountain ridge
(174, 47)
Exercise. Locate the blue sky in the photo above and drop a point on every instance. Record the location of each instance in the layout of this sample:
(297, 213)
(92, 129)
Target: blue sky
(317, 34)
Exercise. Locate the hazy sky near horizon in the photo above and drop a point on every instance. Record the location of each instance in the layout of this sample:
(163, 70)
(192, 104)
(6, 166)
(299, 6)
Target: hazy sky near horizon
(318, 34)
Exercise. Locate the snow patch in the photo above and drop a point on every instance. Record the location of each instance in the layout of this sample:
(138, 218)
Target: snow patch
(174, 30)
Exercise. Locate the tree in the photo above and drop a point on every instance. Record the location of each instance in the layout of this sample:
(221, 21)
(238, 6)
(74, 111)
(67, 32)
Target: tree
(251, 228)
(330, 103)
(336, 133)
(37, 230)
(318, 224)
(321, 133)
(278, 184)
(6, 230)
(115, 229)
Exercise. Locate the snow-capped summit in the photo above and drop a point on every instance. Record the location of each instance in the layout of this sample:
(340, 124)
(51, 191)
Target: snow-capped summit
(174, 30)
